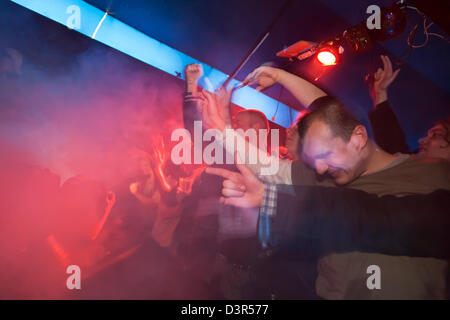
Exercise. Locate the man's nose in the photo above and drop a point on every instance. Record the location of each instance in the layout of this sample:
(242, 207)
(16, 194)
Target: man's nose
(321, 168)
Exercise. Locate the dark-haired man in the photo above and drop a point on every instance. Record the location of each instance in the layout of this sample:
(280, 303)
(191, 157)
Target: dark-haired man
(337, 147)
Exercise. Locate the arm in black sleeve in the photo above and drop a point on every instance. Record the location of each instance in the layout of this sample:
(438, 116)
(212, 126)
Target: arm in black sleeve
(190, 111)
(344, 220)
(387, 131)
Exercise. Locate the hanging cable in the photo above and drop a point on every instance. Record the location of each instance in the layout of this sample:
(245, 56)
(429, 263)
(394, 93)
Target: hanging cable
(426, 27)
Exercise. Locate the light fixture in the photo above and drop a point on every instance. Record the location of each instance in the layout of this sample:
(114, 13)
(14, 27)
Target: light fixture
(328, 52)
(327, 57)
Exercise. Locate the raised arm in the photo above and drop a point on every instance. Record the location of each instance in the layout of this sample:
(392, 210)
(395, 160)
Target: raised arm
(304, 91)
(388, 133)
(269, 168)
(191, 99)
(192, 73)
(343, 219)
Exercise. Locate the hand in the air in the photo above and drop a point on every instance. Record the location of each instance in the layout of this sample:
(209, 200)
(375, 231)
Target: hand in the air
(264, 76)
(383, 78)
(240, 189)
(223, 97)
(210, 110)
(193, 72)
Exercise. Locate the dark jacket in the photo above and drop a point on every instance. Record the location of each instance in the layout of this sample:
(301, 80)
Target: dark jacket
(388, 133)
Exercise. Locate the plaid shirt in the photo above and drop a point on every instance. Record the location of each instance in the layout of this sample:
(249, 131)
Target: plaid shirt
(266, 213)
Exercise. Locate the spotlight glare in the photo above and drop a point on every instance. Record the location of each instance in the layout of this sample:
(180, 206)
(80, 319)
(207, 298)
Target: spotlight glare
(326, 58)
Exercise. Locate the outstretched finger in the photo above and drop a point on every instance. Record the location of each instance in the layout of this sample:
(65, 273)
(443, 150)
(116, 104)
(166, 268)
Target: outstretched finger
(251, 78)
(392, 77)
(387, 66)
(395, 74)
(224, 173)
(389, 63)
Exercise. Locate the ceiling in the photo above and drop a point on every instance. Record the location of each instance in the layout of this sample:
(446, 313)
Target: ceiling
(221, 32)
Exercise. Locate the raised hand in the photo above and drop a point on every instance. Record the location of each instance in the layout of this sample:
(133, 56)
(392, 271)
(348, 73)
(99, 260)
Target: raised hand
(264, 76)
(382, 79)
(211, 113)
(240, 189)
(223, 97)
(159, 150)
(160, 158)
(192, 73)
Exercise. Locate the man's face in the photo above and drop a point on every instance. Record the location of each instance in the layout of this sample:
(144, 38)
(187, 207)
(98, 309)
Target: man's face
(435, 144)
(331, 155)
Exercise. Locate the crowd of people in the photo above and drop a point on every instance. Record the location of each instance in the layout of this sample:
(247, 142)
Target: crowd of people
(345, 199)
(339, 202)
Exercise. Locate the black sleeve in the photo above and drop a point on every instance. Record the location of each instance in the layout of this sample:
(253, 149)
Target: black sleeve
(190, 112)
(344, 220)
(387, 131)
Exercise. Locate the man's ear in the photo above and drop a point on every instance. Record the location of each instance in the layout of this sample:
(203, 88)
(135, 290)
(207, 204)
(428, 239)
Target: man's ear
(359, 137)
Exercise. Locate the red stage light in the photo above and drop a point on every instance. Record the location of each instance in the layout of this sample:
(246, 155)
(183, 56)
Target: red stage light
(327, 58)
